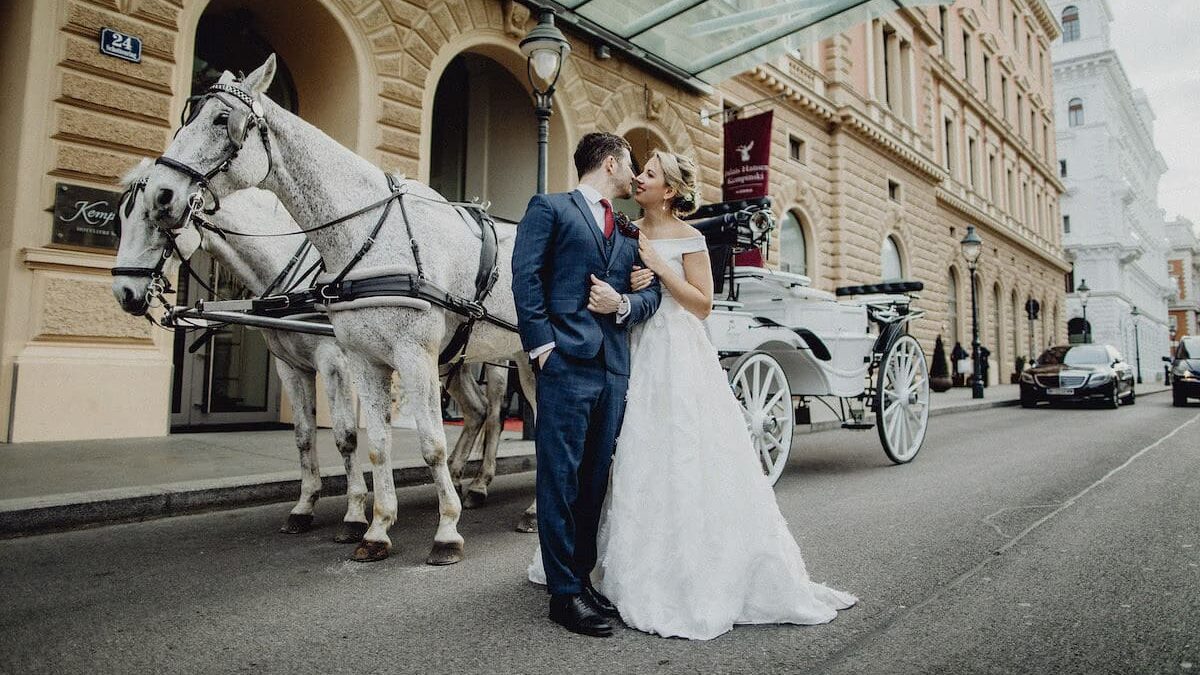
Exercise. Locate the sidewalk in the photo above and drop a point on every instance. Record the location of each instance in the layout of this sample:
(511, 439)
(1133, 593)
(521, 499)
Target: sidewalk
(55, 486)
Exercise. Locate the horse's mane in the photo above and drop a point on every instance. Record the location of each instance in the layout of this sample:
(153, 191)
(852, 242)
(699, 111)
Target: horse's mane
(137, 172)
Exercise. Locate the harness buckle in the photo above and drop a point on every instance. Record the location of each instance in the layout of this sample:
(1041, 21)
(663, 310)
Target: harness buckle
(474, 309)
(326, 296)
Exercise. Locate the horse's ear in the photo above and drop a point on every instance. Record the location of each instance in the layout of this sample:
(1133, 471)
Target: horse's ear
(262, 76)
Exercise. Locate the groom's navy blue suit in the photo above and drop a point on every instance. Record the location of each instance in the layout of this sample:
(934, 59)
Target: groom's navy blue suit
(581, 388)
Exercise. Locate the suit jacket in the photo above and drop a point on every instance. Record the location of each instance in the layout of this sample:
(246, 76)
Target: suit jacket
(558, 247)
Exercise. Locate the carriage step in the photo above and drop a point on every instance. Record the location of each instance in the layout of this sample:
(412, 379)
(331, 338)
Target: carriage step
(858, 426)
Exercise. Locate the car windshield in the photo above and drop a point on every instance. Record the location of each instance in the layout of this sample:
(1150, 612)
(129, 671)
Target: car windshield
(1085, 355)
(1189, 347)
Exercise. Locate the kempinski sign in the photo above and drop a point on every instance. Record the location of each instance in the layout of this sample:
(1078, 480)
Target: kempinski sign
(85, 218)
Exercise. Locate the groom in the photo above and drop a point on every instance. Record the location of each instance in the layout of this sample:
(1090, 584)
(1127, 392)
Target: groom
(571, 269)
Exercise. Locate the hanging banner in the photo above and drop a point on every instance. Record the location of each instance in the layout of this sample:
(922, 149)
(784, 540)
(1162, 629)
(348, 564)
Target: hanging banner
(747, 160)
(747, 157)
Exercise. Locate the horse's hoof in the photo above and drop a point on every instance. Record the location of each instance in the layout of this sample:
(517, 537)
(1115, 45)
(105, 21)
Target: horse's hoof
(350, 532)
(370, 551)
(527, 524)
(445, 554)
(474, 499)
(297, 523)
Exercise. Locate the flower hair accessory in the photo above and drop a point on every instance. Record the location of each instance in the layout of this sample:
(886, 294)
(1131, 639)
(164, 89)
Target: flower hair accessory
(625, 226)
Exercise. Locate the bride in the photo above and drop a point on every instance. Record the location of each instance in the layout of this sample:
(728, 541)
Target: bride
(691, 540)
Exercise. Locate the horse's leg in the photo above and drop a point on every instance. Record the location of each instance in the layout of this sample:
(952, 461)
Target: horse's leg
(422, 394)
(345, 434)
(528, 521)
(497, 384)
(302, 393)
(374, 390)
(465, 392)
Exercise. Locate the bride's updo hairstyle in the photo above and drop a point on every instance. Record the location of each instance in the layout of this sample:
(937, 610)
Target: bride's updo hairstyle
(679, 174)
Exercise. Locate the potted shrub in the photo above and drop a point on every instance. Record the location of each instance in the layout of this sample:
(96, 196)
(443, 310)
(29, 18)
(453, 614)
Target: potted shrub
(1015, 378)
(939, 374)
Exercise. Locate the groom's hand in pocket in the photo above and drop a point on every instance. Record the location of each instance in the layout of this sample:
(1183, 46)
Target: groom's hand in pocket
(602, 299)
(640, 278)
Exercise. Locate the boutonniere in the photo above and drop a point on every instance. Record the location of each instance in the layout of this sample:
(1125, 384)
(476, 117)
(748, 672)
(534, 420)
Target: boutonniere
(625, 226)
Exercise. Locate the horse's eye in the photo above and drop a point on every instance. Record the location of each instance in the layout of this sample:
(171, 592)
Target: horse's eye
(221, 118)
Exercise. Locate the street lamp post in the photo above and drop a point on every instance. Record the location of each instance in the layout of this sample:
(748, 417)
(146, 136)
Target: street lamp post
(1137, 347)
(1083, 291)
(972, 246)
(545, 49)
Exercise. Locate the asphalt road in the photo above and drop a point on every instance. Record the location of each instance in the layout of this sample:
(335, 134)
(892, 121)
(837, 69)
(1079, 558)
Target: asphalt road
(1038, 541)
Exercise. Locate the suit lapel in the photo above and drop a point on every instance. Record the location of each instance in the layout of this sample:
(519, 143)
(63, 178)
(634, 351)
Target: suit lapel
(617, 244)
(582, 205)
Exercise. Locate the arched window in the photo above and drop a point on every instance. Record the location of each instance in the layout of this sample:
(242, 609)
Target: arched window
(793, 248)
(997, 326)
(1075, 112)
(1016, 333)
(952, 306)
(893, 270)
(1070, 23)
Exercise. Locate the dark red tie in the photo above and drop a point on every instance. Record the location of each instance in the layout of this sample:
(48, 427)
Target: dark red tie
(608, 218)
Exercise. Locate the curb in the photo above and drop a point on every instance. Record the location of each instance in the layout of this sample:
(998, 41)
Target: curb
(55, 513)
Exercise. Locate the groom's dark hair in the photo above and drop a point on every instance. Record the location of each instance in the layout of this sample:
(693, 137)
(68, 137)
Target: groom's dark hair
(594, 147)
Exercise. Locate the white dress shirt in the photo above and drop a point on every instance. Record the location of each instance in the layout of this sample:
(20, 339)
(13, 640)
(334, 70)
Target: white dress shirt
(592, 196)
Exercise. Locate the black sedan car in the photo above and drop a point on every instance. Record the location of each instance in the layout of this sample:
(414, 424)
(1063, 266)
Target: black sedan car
(1185, 370)
(1078, 373)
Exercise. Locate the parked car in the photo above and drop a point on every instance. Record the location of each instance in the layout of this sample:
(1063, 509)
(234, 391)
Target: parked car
(1185, 370)
(1078, 373)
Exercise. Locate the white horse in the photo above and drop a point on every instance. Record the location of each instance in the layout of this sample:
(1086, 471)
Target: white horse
(238, 138)
(256, 261)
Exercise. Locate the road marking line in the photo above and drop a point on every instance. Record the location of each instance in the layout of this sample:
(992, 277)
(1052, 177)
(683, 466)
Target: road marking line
(874, 634)
(1012, 542)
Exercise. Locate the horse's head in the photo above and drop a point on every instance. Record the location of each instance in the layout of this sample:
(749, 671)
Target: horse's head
(145, 258)
(223, 146)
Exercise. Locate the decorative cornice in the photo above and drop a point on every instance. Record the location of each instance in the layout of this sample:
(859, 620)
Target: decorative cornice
(66, 260)
(775, 82)
(965, 208)
(990, 42)
(1041, 11)
(854, 120)
(969, 17)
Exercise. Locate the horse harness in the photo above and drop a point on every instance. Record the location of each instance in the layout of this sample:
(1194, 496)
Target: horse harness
(339, 289)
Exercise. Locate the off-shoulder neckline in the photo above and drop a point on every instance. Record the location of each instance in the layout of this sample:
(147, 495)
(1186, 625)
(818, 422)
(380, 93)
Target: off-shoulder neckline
(695, 236)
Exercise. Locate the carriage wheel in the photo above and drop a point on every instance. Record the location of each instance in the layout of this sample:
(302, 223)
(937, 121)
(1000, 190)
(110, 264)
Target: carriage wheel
(762, 389)
(902, 399)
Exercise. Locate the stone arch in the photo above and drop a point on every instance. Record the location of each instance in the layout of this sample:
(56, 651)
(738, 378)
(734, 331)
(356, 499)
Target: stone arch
(628, 107)
(356, 132)
(902, 250)
(807, 231)
(453, 27)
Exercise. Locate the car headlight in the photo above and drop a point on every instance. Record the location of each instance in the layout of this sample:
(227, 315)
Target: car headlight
(1027, 378)
(1099, 378)
(1187, 375)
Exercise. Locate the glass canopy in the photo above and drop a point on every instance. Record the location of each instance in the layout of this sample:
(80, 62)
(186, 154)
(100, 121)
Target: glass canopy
(713, 40)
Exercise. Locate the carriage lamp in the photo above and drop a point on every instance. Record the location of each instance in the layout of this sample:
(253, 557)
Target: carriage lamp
(1082, 290)
(972, 246)
(545, 49)
(1137, 347)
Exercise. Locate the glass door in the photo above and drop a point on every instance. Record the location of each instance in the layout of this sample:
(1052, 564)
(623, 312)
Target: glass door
(224, 375)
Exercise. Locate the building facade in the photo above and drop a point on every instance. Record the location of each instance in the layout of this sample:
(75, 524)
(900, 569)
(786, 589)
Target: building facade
(1183, 268)
(1114, 230)
(889, 141)
(896, 136)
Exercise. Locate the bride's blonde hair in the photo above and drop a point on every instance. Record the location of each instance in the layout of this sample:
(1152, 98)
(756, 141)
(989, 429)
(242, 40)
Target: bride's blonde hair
(679, 174)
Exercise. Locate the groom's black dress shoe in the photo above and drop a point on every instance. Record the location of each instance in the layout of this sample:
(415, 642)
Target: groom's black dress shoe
(599, 602)
(577, 615)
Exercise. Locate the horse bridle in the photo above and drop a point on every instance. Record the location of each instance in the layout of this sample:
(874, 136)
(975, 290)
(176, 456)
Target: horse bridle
(245, 113)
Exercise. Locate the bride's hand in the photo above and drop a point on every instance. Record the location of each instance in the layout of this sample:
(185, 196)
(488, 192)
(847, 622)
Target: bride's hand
(650, 257)
(640, 278)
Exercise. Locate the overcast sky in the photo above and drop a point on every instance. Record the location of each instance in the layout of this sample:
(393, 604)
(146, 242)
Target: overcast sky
(1158, 46)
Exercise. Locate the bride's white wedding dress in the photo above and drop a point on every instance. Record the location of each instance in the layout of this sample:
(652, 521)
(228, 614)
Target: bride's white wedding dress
(691, 539)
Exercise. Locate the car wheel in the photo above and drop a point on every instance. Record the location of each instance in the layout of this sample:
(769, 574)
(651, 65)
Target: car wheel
(1178, 399)
(1028, 402)
(1114, 398)
(1131, 398)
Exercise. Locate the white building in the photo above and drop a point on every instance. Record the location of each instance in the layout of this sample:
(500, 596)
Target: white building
(1183, 266)
(1113, 228)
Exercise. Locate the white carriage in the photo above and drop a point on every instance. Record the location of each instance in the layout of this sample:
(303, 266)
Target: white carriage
(787, 345)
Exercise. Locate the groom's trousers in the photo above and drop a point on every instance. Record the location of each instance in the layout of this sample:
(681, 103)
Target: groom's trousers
(580, 406)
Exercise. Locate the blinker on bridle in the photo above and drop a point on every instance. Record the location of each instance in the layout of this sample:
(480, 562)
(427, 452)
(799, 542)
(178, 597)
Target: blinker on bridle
(245, 114)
